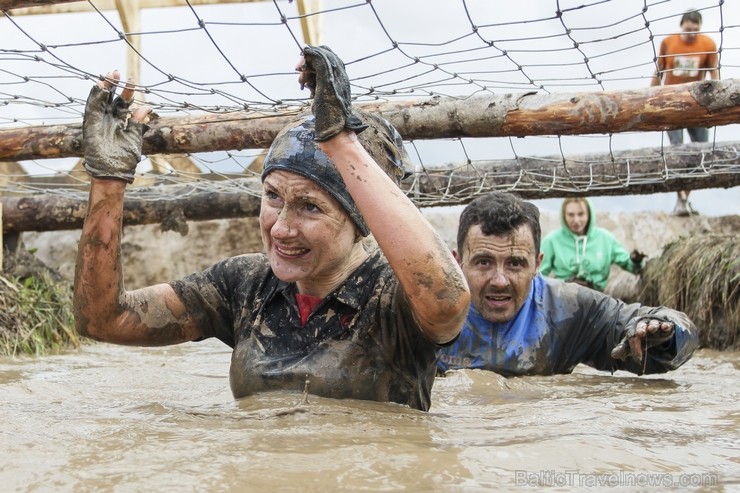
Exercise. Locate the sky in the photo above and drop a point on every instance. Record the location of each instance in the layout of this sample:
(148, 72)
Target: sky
(378, 40)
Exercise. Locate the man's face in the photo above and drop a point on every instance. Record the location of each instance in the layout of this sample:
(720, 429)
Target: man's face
(576, 217)
(499, 271)
(689, 30)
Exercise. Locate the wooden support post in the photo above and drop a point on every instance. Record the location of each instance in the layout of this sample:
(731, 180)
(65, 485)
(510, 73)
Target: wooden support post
(310, 24)
(130, 14)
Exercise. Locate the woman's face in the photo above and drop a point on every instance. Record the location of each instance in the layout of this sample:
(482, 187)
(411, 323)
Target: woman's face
(308, 237)
(576, 217)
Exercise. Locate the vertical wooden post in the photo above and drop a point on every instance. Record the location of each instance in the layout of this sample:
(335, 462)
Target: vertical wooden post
(310, 24)
(130, 14)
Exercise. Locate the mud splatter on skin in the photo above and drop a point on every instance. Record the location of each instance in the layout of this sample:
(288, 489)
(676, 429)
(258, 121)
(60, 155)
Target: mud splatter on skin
(163, 336)
(440, 276)
(88, 247)
(161, 324)
(453, 288)
(424, 279)
(454, 285)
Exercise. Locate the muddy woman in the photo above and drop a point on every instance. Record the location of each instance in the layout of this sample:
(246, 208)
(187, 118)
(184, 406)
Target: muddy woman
(316, 305)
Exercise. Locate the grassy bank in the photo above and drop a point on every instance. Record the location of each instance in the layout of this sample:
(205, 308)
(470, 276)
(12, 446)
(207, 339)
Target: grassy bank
(35, 310)
(700, 276)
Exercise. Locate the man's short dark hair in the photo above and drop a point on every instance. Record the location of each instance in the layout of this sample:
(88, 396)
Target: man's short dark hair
(691, 16)
(499, 213)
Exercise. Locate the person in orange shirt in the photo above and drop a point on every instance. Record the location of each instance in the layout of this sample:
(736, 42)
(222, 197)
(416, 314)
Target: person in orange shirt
(686, 57)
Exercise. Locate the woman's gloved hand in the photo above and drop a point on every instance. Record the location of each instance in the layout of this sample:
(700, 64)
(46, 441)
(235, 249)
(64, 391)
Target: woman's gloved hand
(112, 140)
(322, 71)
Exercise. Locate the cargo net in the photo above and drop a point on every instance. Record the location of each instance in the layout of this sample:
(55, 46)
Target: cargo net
(222, 61)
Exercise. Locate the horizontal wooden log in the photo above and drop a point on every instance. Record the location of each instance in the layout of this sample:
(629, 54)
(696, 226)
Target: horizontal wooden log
(699, 104)
(18, 4)
(40, 7)
(642, 171)
(191, 203)
(691, 166)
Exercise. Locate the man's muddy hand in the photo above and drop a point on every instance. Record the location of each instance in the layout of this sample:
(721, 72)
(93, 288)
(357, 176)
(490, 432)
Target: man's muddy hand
(641, 334)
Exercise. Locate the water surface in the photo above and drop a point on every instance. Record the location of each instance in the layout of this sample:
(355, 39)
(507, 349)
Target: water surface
(110, 418)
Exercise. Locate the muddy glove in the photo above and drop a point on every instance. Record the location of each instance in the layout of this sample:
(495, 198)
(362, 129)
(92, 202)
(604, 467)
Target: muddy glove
(323, 73)
(112, 144)
(648, 340)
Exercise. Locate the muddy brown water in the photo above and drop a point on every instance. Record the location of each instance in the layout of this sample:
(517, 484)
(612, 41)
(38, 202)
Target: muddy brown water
(110, 418)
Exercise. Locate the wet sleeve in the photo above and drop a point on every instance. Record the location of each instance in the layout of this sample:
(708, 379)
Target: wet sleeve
(210, 297)
(588, 324)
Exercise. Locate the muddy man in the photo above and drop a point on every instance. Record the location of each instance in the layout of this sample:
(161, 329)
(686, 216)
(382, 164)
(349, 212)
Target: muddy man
(521, 323)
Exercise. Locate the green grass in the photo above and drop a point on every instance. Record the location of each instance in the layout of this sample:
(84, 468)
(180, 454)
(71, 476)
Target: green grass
(36, 316)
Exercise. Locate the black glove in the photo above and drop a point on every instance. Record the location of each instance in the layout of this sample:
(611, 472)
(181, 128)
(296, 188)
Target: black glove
(326, 78)
(636, 256)
(112, 147)
(623, 349)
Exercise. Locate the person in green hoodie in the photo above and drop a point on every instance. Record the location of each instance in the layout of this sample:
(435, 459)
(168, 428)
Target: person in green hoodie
(581, 252)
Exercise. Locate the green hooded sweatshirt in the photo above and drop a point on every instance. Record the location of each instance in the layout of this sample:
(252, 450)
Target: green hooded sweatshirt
(588, 257)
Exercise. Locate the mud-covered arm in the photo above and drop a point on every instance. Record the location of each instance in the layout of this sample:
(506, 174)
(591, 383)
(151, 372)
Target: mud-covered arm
(429, 276)
(426, 269)
(103, 309)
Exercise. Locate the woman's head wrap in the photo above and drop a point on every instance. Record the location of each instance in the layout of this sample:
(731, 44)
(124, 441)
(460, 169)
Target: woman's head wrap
(295, 150)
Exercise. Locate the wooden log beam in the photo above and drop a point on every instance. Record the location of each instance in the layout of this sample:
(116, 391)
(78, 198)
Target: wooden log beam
(20, 4)
(698, 104)
(206, 133)
(130, 13)
(641, 171)
(707, 104)
(691, 166)
(42, 7)
(55, 212)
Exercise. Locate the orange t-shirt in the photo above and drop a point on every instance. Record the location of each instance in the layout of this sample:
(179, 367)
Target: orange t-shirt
(680, 62)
